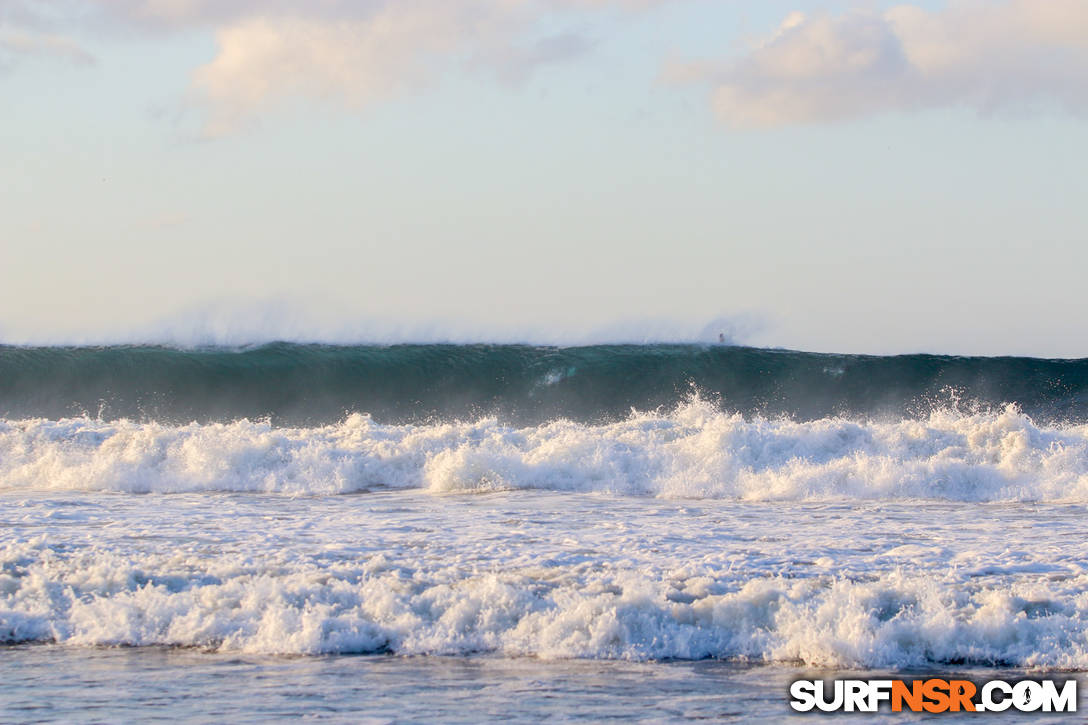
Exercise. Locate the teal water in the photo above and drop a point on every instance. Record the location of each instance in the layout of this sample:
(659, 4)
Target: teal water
(525, 385)
(657, 533)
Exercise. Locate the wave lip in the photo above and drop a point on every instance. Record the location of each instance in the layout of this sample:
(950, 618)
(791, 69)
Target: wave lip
(695, 452)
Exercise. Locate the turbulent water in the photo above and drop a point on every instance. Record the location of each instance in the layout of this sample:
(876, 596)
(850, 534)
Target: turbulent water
(621, 502)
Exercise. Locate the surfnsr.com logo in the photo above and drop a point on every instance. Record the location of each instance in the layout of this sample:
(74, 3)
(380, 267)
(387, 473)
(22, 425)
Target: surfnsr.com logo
(933, 695)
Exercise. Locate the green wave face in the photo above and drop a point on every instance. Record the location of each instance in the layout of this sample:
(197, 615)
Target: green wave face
(525, 385)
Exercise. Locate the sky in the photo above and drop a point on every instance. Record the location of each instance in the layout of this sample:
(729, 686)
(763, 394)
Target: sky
(830, 176)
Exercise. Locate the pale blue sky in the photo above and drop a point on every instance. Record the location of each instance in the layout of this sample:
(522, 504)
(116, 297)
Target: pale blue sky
(862, 203)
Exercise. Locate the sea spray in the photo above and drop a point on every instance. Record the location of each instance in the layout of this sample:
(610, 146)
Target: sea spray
(695, 451)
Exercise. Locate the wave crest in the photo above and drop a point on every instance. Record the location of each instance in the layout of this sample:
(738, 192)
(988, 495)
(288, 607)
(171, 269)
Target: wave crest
(696, 451)
(522, 385)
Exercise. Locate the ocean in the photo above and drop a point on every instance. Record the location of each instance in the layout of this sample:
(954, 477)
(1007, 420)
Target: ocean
(471, 532)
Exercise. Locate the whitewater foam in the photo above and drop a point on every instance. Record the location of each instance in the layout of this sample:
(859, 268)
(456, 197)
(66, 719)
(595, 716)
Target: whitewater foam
(694, 452)
(551, 575)
(957, 537)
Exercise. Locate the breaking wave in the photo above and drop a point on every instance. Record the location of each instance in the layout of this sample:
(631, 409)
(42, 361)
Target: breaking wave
(660, 501)
(696, 451)
(307, 385)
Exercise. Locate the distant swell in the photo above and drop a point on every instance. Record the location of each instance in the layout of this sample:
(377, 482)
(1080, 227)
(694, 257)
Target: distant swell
(695, 451)
(308, 385)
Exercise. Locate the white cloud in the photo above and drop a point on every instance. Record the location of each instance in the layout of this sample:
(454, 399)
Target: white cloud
(352, 52)
(372, 50)
(991, 56)
(262, 60)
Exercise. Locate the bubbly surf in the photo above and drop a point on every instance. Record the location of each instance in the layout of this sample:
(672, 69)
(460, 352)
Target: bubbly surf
(549, 575)
(695, 452)
(614, 502)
